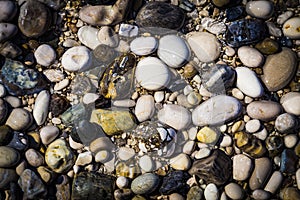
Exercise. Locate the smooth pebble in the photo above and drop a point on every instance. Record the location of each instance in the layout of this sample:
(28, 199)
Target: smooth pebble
(144, 108)
(181, 162)
(41, 107)
(87, 35)
(262, 170)
(242, 167)
(48, 134)
(77, 58)
(211, 192)
(107, 36)
(260, 9)
(291, 103)
(142, 46)
(264, 110)
(234, 191)
(250, 56)
(146, 163)
(291, 28)
(45, 55)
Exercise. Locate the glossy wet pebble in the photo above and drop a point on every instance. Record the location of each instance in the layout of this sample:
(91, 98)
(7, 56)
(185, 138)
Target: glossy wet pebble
(8, 10)
(217, 110)
(45, 55)
(260, 9)
(279, 69)
(291, 28)
(152, 74)
(250, 57)
(143, 45)
(264, 110)
(48, 134)
(77, 58)
(7, 176)
(145, 184)
(291, 103)
(8, 156)
(173, 51)
(87, 35)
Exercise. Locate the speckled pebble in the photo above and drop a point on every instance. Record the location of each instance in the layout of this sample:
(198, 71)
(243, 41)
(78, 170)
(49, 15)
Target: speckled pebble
(291, 28)
(45, 55)
(145, 184)
(34, 158)
(286, 123)
(48, 134)
(291, 103)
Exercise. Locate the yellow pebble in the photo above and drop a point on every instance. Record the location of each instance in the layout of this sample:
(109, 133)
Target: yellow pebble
(207, 135)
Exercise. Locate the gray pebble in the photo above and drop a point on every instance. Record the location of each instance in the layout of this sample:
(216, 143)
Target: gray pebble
(8, 156)
(107, 36)
(8, 10)
(253, 126)
(13, 101)
(286, 123)
(7, 31)
(145, 184)
(264, 110)
(45, 55)
(234, 191)
(34, 158)
(19, 119)
(48, 134)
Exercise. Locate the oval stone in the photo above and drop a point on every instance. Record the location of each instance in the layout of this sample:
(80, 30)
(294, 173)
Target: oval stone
(241, 167)
(160, 14)
(8, 156)
(144, 108)
(34, 19)
(7, 176)
(291, 103)
(8, 10)
(19, 119)
(260, 9)
(248, 82)
(262, 170)
(264, 110)
(143, 45)
(7, 31)
(291, 28)
(250, 56)
(217, 110)
(40, 110)
(77, 58)
(279, 69)
(173, 51)
(234, 191)
(87, 35)
(145, 184)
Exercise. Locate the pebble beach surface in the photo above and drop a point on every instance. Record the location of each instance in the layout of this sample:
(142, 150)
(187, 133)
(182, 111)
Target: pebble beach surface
(153, 99)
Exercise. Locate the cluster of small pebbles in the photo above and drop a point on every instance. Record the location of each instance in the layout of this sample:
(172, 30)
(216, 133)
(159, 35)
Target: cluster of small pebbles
(154, 99)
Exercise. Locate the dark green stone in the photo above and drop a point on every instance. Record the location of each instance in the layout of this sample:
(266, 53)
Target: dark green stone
(267, 46)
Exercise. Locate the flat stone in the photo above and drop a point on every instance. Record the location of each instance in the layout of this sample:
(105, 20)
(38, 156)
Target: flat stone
(274, 182)
(152, 74)
(145, 184)
(142, 46)
(260, 9)
(34, 158)
(205, 45)
(107, 36)
(248, 82)
(284, 17)
(211, 192)
(54, 75)
(286, 123)
(181, 162)
(291, 103)
(125, 103)
(101, 143)
(77, 58)
(242, 166)
(208, 135)
(7, 176)
(175, 116)
(291, 28)
(9, 157)
(34, 19)
(41, 105)
(279, 69)
(264, 110)
(87, 35)
(45, 55)
(262, 170)
(19, 119)
(234, 191)
(214, 26)
(113, 122)
(216, 110)
(8, 10)
(173, 51)
(250, 57)
(7, 31)
(48, 134)
(161, 15)
(144, 108)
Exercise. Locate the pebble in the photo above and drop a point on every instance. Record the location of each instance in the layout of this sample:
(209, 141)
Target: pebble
(144, 108)
(226, 141)
(152, 74)
(262, 170)
(234, 191)
(173, 51)
(274, 182)
(260, 194)
(284, 17)
(54, 75)
(195, 193)
(34, 158)
(19, 119)
(175, 116)
(205, 45)
(126, 153)
(89, 98)
(289, 193)
(13, 101)
(101, 143)
(46, 174)
(48, 134)
(181, 162)
(122, 182)
(297, 178)
(189, 147)
(41, 107)
(3, 110)
(102, 156)
(45, 55)
(286, 123)
(214, 26)
(87, 35)
(176, 196)
(220, 3)
(77, 58)
(107, 36)
(260, 9)
(145, 183)
(291, 28)
(250, 57)
(216, 110)
(7, 31)
(84, 158)
(7, 176)
(290, 140)
(125, 103)
(194, 98)
(279, 69)
(288, 161)
(8, 10)
(291, 103)
(174, 181)
(128, 30)
(208, 135)
(241, 167)
(155, 15)
(8, 156)
(142, 46)
(59, 157)
(267, 46)
(146, 163)
(264, 110)
(248, 82)
(211, 192)
(2, 88)
(61, 84)
(253, 126)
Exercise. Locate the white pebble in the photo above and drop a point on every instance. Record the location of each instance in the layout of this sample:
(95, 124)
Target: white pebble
(211, 192)
(89, 98)
(122, 182)
(77, 58)
(290, 140)
(45, 55)
(146, 163)
(253, 126)
(143, 45)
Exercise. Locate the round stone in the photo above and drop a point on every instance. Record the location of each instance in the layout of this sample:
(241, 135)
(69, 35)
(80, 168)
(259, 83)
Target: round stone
(286, 123)
(152, 74)
(48, 134)
(205, 45)
(173, 51)
(207, 135)
(142, 46)
(250, 57)
(211, 192)
(144, 108)
(264, 110)
(101, 143)
(267, 46)
(181, 162)
(122, 182)
(253, 126)
(145, 184)
(8, 10)
(260, 194)
(84, 158)
(260, 9)
(45, 55)
(146, 163)
(77, 58)
(291, 28)
(126, 153)
(19, 119)
(291, 103)
(104, 54)
(234, 191)
(248, 82)
(107, 36)
(102, 156)
(220, 3)
(8, 156)
(242, 167)
(87, 35)
(34, 158)
(290, 140)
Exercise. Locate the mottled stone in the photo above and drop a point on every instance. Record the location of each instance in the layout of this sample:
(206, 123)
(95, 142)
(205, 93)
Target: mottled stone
(3, 111)
(7, 176)
(195, 193)
(264, 110)
(291, 28)
(290, 193)
(267, 46)
(286, 123)
(58, 104)
(145, 184)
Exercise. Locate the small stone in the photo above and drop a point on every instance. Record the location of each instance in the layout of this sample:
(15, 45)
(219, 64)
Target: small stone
(286, 123)
(34, 158)
(175, 181)
(128, 30)
(87, 35)
(242, 166)
(288, 161)
(6, 135)
(208, 135)
(40, 110)
(45, 55)
(54, 75)
(194, 98)
(19, 119)
(181, 162)
(122, 182)
(211, 192)
(253, 126)
(264, 110)
(46, 174)
(262, 170)
(290, 140)
(195, 193)
(220, 3)
(250, 56)
(125, 103)
(152, 74)
(284, 17)
(291, 28)
(159, 96)
(8, 156)
(7, 176)
(84, 158)
(226, 141)
(291, 103)
(102, 156)
(176, 196)
(89, 98)
(2, 89)
(214, 26)
(260, 194)
(8, 10)
(58, 104)
(144, 108)
(234, 191)
(260, 9)
(145, 184)
(126, 153)
(173, 51)
(7, 31)
(142, 46)
(205, 45)
(77, 58)
(101, 143)
(61, 84)
(48, 134)
(107, 36)
(3, 111)
(189, 147)
(146, 163)
(267, 46)
(274, 182)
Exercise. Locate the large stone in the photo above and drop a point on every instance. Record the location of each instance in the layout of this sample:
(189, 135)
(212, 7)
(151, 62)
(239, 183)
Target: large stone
(264, 110)
(175, 181)
(145, 184)
(261, 172)
(291, 103)
(113, 122)
(8, 10)
(279, 69)
(8, 156)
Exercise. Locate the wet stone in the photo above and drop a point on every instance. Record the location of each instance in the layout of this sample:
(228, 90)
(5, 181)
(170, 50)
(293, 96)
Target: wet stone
(104, 54)
(195, 193)
(8, 156)
(19, 141)
(8, 10)
(262, 170)
(19, 119)
(234, 13)
(10, 50)
(3, 111)
(34, 19)
(145, 184)
(260, 9)
(7, 176)
(288, 161)
(216, 168)
(159, 14)
(175, 181)
(6, 135)
(264, 110)
(267, 46)
(245, 32)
